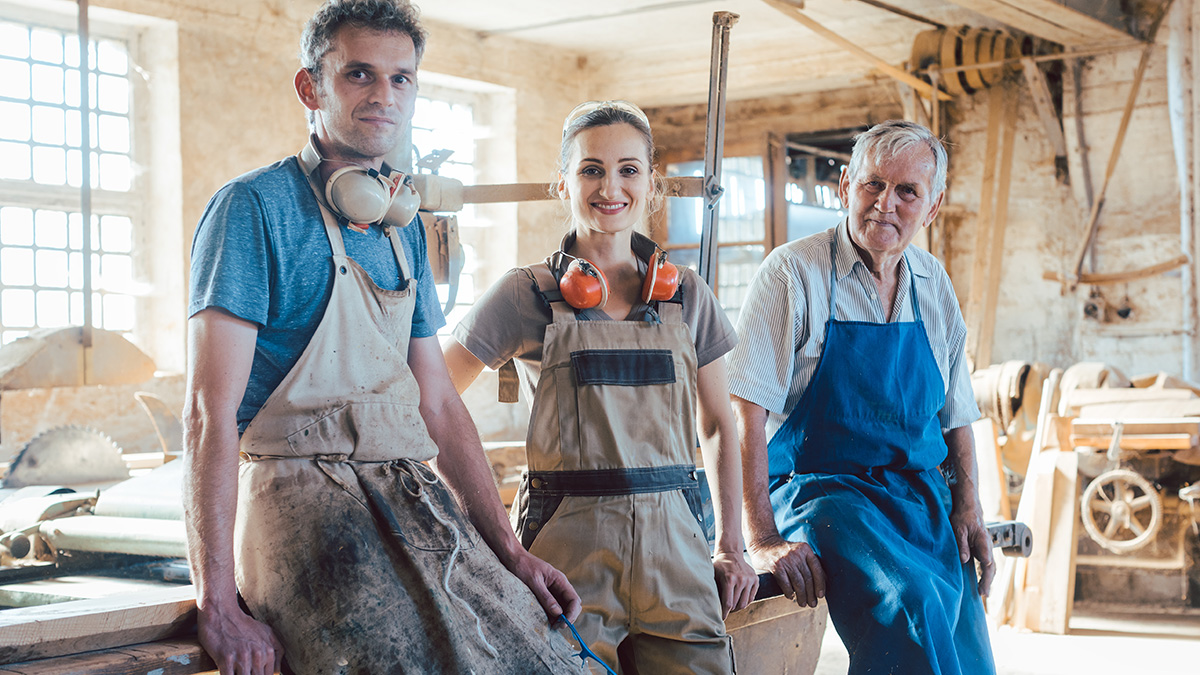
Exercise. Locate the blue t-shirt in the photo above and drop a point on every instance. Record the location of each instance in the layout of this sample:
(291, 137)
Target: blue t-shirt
(260, 253)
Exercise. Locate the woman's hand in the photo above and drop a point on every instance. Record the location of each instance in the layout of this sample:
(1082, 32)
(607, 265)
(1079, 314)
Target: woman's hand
(737, 582)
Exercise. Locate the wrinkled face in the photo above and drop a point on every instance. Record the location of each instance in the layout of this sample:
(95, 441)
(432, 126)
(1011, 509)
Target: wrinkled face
(608, 178)
(889, 201)
(365, 97)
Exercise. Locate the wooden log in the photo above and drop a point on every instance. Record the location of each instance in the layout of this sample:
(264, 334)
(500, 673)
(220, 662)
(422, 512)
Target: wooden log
(85, 625)
(170, 657)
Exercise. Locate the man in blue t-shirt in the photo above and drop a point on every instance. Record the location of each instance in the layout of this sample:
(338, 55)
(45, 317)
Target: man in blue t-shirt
(285, 340)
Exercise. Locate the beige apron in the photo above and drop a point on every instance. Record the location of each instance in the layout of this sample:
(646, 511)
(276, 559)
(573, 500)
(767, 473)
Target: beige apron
(345, 543)
(611, 496)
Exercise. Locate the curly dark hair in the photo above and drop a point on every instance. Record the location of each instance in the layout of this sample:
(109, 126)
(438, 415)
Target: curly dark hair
(397, 16)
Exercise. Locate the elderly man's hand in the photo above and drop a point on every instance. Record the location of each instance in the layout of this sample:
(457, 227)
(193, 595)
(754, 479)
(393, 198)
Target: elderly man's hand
(973, 540)
(796, 568)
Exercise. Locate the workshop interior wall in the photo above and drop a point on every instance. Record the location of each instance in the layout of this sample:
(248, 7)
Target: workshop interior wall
(1139, 225)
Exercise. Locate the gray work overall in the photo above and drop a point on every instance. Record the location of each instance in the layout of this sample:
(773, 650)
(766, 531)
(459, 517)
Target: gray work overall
(611, 495)
(349, 547)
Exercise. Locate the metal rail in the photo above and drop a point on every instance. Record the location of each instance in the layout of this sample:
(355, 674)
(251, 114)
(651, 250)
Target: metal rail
(714, 144)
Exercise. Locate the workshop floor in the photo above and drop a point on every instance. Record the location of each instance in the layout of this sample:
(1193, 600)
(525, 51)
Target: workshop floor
(1097, 643)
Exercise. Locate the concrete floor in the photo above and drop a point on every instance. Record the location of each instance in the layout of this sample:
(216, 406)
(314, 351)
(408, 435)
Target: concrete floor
(1108, 644)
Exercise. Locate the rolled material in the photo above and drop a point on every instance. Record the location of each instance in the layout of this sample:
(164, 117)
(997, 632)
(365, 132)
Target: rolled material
(105, 534)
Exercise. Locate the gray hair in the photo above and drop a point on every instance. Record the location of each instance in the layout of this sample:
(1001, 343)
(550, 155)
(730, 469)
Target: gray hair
(387, 16)
(886, 139)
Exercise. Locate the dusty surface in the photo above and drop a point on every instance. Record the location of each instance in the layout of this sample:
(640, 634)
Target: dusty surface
(1148, 645)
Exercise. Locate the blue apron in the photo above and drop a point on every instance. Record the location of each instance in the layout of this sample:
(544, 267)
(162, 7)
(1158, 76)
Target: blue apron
(854, 473)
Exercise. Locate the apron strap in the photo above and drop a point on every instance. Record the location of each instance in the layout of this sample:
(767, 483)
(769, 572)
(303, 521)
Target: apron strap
(832, 273)
(912, 290)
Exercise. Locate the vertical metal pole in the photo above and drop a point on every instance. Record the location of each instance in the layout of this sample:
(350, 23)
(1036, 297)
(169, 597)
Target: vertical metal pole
(714, 143)
(85, 188)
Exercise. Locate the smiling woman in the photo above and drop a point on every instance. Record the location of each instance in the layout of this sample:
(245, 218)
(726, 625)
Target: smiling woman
(619, 353)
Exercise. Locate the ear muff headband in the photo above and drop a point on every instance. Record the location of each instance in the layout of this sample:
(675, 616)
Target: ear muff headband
(365, 196)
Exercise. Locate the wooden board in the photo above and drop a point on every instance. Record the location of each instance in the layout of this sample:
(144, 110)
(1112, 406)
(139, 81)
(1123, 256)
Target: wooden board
(170, 657)
(1058, 578)
(1038, 516)
(1139, 442)
(1094, 426)
(993, 490)
(85, 625)
(1080, 397)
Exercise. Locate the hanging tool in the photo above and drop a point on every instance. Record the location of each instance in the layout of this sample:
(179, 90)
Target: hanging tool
(714, 143)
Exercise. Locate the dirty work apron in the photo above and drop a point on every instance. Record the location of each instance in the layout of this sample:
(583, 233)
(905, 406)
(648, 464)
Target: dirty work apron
(611, 495)
(854, 472)
(345, 543)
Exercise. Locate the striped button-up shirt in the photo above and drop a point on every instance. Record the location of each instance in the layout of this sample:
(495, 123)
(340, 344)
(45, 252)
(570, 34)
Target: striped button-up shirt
(781, 328)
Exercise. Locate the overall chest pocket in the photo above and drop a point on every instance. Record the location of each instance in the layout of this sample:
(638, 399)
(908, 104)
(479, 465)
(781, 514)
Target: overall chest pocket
(627, 407)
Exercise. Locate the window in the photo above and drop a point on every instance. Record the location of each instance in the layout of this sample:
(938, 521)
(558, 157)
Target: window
(462, 129)
(41, 174)
(742, 231)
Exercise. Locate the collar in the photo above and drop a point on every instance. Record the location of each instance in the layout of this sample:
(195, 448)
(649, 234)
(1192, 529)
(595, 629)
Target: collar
(847, 257)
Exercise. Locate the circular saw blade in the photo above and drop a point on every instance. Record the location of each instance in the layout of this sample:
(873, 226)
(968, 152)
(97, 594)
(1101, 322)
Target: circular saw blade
(67, 455)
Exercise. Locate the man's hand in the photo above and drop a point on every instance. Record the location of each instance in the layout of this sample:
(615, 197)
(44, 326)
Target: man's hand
(549, 586)
(736, 582)
(238, 644)
(796, 568)
(972, 537)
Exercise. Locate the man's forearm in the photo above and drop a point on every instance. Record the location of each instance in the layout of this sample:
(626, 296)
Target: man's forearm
(210, 505)
(960, 446)
(463, 465)
(756, 501)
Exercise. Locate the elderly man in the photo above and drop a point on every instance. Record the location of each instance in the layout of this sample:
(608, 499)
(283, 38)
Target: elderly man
(313, 357)
(851, 363)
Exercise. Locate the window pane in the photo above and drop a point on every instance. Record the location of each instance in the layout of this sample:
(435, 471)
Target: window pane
(16, 226)
(744, 206)
(114, 133)
(50, 166)
(14, 78)
(14, 40)
(16, 267)
(51, 229)
(14, 161)
(47, 83)
(736, 266)
(75, 274)
(118, 312)
(52, 269)
(49, 125)
(52, 309)
(114, 94)
(73, 131)
(72, 85)
(16, 308)
(116, 173)
(111, 58)
(116, 234)
(46, 46)
(74, 169)
(14, 121)
(117, 272)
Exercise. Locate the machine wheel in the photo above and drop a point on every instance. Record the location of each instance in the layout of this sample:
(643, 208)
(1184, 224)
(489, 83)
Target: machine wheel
(1114, 511)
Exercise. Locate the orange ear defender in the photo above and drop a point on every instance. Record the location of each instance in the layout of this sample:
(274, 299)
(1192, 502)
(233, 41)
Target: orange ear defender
(662, 278)
(583, 285)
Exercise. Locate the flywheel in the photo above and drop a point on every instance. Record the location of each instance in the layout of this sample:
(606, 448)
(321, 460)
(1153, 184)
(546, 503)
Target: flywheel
(1121, 510)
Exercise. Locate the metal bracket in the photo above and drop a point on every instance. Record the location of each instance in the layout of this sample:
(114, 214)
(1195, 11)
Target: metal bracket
(1012, 537)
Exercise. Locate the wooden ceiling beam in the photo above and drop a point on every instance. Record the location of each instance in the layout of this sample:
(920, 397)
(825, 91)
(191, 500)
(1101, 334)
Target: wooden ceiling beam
(1055, 20)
